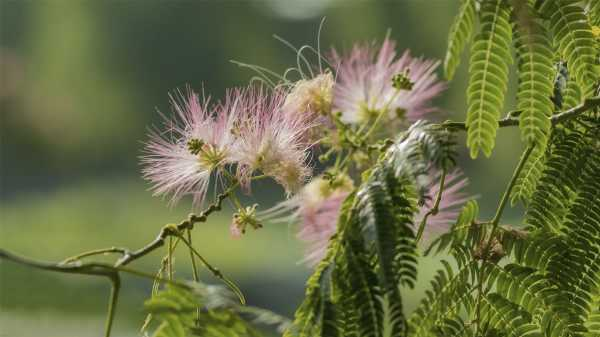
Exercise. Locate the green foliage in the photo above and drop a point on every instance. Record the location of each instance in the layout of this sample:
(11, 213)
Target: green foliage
(488, 69)
(355, 290)
(211, 311)
(460, 34)
(594, 12)
(551, 200)
(573, 38)
(507, 317)
(536, 73)
(529, 177)
(450, 292)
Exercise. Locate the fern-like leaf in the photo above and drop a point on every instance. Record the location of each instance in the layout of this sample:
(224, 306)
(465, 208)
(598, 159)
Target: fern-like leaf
(449, 293)
(460, 34)
(536, 73)
(551, 200)
(577, 270)
(490, 59)
(574, 38)
(528, 178)
(501, 314)
(594, 13)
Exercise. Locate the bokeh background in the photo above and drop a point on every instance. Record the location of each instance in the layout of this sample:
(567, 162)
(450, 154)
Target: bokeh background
(80, 82)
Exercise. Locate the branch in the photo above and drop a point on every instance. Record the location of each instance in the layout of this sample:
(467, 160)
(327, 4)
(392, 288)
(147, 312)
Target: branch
(435, 209)
(174, 230)
(116, 250)
(511, 120)
(94, 269)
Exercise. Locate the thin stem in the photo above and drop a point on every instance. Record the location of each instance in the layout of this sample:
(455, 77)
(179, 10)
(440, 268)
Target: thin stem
(170, 230)
(217, 273)
(192, 258)
(116, 250)
(559, 117)
(494, 222)
(170, 258)
(435, 209)
(194, 267)
(383, 112)
(504, 200)
(112, 304)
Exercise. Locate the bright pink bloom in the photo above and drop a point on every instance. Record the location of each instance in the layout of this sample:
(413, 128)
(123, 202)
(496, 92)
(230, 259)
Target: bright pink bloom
(364, 83)
(197, 143)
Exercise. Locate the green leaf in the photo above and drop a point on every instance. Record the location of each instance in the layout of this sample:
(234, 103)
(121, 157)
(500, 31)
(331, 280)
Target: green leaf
(460, 34)
(528, 178)
(574, 39)
(594, 12)
(536, 75)
(490, 59)
(503, 315)
(550, 201)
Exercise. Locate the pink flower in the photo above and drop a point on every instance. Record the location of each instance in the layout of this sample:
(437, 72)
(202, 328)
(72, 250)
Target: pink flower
(311, 96)
(364, 83)
(269, 139)
(316, 209)
(197, 143)
(453, 197)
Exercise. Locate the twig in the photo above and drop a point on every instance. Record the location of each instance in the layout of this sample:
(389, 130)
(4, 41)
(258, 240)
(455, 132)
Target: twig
(112, 303)
(433, 210)
(555, 119)
(503, 201)
(494, 222)
(194, 267)
(216, 272)
(95, 269)
(170, 230)
(117, 250)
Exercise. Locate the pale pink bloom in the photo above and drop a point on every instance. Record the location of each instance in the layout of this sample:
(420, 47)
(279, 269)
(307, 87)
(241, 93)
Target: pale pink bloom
(316, 209)
(453, 197)
(317, 213)
(269, 140)
(196, 144)
(364, 83)
(311, 96)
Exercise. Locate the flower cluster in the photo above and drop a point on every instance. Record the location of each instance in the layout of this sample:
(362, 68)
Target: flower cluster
(364, 76)
(260, 131)
(249, 128)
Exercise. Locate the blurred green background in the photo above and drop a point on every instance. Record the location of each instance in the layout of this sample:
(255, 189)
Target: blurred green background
(80, 83)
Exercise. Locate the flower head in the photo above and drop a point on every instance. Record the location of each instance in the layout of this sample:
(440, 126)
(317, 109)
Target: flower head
(317, 206)
(244, 217)
(311, 96)
(269, 139)
(196, 144)
(316, 209)
(365, 83)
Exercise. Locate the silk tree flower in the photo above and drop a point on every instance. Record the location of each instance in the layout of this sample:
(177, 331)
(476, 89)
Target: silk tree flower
(311, 96)
(270, 140)
(316, 209)
(364, 83)
(196, 145)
